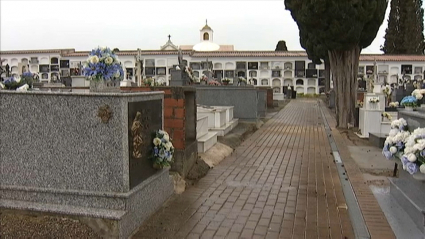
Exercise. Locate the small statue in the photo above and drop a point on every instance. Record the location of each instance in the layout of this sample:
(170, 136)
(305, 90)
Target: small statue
(180, 57)
(136, 132)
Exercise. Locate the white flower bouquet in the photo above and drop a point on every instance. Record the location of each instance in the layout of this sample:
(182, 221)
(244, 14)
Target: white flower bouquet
(374, 100)
(386, 89)
(163, 150)
(396, 140)
(241, 79)
(413, 158)
(418, 93)
(408, 147)
(386, 115)
(393, 104)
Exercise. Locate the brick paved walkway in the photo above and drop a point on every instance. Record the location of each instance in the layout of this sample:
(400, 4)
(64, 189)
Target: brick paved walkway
(376, 222)
(280, 183)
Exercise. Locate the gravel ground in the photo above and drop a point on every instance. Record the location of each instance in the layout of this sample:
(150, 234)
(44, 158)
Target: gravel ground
(19, 225)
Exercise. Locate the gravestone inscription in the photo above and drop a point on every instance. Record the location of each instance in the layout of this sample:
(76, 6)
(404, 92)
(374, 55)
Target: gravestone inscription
(144, 119)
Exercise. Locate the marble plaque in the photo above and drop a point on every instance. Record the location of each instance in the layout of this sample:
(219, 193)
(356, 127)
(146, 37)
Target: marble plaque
(144, 119)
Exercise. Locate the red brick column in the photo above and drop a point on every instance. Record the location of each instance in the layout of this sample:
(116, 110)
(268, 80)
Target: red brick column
(174, 113)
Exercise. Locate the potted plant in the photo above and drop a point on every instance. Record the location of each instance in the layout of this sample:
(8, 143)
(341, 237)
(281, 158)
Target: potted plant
(241, 81)
(225, 81)
(148, 82)
(409, 102)
(392, 106)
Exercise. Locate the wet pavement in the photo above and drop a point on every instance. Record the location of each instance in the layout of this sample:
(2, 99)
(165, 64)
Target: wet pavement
(279, 183)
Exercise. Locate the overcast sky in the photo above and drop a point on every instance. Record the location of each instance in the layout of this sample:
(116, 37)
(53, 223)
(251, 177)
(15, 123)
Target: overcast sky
(83, 25)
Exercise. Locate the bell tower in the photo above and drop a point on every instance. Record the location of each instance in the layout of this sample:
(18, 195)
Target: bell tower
(206, 33)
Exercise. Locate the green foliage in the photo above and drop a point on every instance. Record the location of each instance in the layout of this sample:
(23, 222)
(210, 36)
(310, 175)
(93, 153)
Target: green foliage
(302, 95)
(335, 24)
(404, 34)
(281, 46)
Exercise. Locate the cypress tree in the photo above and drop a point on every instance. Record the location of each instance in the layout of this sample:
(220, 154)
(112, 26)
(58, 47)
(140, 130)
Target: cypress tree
(281, 46)
(404, 34)
(343, 29)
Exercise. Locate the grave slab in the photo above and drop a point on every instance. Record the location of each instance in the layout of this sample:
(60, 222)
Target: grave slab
(77, 156)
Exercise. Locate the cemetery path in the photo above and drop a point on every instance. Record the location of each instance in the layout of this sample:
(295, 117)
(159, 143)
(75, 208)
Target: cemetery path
(279, 183)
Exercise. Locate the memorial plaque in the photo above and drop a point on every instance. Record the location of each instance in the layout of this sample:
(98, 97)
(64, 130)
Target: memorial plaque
(144, 119)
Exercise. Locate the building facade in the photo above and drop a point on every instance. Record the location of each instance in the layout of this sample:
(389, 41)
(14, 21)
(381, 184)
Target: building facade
(260, 68)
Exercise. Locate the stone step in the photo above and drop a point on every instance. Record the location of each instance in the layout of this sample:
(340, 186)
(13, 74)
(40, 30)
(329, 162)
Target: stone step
(410, 193)
(206, 142)
(222, 131)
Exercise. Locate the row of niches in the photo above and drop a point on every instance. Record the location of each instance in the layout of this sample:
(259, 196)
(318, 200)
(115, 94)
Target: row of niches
(250, 65)
(394, 70)
(49, 77)
(37, 60)
(300, 90)
(286, 82)
(394, 78)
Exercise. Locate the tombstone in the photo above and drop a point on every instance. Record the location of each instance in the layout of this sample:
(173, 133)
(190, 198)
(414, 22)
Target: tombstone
(362, 84)
(67, 81)
(409, 88)
(179, 78)
(394, 95)
(210, 75)
(332, 99)
(400, 93)
(288, 93)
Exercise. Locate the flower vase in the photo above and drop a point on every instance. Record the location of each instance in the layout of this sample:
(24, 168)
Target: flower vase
(105, 86)
(408, 108)
(225, 83)
(243, 83)
(203, 82)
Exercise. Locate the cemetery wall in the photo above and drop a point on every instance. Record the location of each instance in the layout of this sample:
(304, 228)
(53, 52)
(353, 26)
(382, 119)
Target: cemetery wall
(244, 99)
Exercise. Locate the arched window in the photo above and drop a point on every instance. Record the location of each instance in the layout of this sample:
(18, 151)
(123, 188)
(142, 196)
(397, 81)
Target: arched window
(206, 36)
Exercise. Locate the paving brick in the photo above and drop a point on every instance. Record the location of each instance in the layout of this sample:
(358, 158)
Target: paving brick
(289, 187)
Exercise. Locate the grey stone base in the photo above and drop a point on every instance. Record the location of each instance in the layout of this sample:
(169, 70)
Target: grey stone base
(377, 139)
(185, 159)
(410, 194)
(123, 212)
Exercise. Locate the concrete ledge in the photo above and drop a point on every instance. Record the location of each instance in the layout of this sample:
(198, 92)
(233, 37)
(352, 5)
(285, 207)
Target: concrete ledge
(410, 199)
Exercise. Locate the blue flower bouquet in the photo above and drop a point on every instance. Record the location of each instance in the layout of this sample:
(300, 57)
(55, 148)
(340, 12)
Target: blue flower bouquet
(408, 101)
(103, 65)
(163, 150)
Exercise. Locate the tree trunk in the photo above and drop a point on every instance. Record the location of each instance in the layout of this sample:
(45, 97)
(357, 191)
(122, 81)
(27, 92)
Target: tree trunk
(327, 76)
(344, 68)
